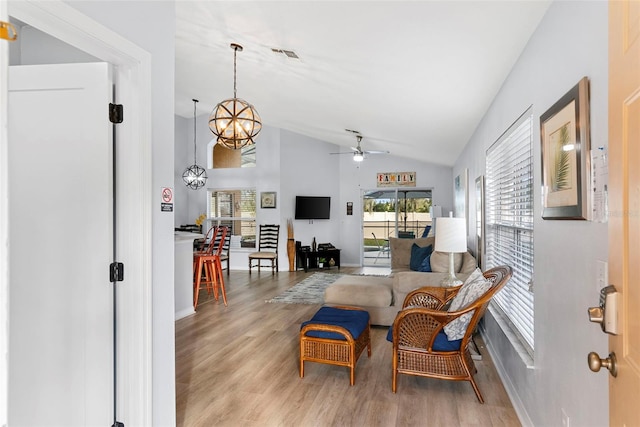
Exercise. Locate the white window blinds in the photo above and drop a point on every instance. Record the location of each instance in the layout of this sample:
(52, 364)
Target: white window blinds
(235, 209)
(509, 227)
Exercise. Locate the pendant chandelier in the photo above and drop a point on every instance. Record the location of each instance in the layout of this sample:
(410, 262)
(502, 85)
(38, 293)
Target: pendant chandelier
(234, 121)
(195, 177)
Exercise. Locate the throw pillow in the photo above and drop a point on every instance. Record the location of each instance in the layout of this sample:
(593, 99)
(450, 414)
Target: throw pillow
(418, 254)
(440, 262)
(472, 289)
(426, 264)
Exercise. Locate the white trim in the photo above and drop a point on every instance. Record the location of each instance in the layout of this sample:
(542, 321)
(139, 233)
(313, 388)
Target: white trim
(510, 388)
(132, 72)
(4, 225)
(184, 313)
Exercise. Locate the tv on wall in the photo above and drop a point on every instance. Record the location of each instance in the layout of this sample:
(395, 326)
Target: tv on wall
(312, 207)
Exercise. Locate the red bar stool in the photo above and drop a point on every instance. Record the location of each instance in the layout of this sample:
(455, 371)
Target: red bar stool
(208, 262)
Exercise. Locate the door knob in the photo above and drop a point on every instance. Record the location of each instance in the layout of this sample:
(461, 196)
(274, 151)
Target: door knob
(595, 363)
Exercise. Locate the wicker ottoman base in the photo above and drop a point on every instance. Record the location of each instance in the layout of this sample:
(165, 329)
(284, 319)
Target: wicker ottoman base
(341, 352)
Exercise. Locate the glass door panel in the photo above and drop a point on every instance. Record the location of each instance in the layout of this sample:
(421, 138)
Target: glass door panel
(392, 213)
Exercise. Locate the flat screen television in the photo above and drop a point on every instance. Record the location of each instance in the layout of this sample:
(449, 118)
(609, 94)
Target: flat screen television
(312, 207)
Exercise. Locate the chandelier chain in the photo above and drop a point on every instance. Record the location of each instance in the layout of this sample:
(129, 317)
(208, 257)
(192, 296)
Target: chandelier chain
(195, 101)
(235, 53)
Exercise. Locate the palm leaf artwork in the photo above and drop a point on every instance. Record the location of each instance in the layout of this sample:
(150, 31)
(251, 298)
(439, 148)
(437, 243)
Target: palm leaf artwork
(560, 179)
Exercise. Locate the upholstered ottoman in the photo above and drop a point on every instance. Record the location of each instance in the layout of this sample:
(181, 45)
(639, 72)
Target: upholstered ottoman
(336, 336)
(371, 293)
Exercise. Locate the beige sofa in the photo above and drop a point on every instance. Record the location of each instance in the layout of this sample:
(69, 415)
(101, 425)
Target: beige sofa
(382, 297)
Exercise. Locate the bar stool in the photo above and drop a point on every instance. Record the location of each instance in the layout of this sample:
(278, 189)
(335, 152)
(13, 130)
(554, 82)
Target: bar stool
(208, 262)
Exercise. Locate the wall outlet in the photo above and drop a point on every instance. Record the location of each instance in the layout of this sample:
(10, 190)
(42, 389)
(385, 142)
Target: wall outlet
(602, 274)
(565, 419)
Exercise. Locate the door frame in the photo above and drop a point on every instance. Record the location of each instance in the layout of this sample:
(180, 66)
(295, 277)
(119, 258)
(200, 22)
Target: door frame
(4, 224)
(132, 74)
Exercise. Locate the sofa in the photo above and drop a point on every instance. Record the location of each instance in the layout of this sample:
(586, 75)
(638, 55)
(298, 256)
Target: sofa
(383, 296)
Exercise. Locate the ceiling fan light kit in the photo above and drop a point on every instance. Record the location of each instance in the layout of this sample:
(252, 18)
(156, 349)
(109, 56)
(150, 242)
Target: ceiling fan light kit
(234, 121)
(358, 152)
(194, 176)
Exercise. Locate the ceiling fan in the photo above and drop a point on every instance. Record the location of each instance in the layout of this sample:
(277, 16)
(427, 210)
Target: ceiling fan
(358, 152)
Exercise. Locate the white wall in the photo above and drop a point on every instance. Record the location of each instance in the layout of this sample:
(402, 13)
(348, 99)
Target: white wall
(183, 155)
(359, 177)
(296, 165)
(132, 20)
(571, 42)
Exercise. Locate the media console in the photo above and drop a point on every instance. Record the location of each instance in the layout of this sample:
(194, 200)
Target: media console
(308, 259)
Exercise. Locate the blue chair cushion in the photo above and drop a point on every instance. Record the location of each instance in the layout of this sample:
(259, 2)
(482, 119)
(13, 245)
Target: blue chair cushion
(418, 254)
(355, 321)
(441, 343)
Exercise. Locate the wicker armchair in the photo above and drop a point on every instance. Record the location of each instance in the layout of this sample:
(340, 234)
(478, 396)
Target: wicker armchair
(422, 320)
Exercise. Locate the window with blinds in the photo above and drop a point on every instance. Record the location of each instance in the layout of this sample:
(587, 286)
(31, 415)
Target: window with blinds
(235, 209)
(509, 222)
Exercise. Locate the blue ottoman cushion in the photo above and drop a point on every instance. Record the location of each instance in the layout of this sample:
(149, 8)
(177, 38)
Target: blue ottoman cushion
(355, 321)
(441, 342)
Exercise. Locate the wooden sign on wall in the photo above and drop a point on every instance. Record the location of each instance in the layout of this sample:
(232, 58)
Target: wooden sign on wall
(396, 179)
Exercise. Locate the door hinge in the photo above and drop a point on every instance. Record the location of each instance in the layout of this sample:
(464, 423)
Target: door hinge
(116, 114)
(116, 272)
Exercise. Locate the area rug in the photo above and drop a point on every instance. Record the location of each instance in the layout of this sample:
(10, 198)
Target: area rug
(308, 291)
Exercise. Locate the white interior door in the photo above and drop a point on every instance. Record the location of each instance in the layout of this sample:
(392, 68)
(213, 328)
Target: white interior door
(60, 209)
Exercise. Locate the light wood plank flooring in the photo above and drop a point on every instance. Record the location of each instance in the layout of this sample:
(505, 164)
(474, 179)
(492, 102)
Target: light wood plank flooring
(238, 366)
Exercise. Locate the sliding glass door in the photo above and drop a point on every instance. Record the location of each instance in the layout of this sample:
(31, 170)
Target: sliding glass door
(389, 213)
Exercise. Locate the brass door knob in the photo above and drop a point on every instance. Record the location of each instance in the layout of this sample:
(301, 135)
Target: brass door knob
(595, 363)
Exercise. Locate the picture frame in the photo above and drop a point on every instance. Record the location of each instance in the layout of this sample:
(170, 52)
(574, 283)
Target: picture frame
(480, 221)
(461, 196)
(268, 200)
(565, 145)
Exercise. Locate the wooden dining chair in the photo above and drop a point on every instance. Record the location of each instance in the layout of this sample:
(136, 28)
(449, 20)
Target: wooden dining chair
(267, 247)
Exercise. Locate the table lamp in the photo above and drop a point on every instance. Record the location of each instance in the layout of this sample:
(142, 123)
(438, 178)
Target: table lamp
(451, 236)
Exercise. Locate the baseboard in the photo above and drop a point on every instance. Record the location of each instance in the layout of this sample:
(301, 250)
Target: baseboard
(184, 313)
(517, 403)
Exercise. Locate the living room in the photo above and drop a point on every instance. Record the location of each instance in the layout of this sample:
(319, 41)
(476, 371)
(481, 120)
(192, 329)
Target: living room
(573, 37)
(569, 43)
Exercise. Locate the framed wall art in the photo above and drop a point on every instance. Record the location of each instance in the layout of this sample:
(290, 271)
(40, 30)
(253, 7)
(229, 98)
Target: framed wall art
(564, 137)
(268, 200)
(460, 195)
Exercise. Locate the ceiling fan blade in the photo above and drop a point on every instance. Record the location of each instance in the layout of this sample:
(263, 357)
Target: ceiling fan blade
(343, 152)
(376, 152)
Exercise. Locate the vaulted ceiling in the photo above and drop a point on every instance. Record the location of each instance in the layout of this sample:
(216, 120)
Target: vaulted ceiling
(413, 77)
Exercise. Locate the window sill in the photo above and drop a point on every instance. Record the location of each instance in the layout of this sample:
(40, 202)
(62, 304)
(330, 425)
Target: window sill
(505, 325)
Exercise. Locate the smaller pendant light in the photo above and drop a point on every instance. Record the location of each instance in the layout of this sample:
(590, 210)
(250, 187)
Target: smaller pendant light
(234, 121)
(195, 177)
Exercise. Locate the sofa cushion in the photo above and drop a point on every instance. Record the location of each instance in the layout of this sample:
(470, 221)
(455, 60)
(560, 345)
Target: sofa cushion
(360, 291)
(418, 254)
(401, 251)
(472, 289)
(355, 321)
(440, 262)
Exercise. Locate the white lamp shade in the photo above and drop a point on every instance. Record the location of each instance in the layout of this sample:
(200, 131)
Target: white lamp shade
(451, 235)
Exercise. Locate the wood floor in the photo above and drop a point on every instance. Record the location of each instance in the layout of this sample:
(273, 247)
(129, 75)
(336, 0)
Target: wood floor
(238, 366)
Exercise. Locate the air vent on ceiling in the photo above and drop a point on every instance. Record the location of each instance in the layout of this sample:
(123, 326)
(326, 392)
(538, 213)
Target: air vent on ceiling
(288, 53)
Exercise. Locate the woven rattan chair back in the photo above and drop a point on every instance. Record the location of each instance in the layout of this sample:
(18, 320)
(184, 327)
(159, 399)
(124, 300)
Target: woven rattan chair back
(423, 317)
